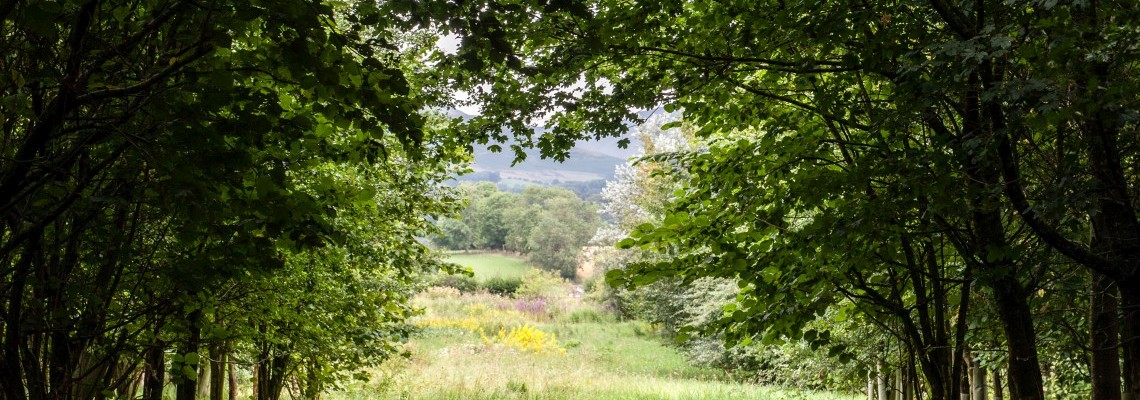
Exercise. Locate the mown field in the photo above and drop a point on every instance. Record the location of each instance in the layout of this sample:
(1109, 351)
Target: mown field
(491, 265)
(548, 343)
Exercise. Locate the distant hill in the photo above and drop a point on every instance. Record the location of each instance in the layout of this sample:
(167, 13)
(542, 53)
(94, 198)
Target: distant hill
(590, 163)
(583, 165)
(589, 160)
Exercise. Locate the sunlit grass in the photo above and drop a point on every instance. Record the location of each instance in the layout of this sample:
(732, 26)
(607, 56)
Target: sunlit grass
(491, 265)
(599, 359)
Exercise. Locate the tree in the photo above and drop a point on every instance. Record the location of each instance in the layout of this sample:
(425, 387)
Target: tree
(486, 219)
(454, 235)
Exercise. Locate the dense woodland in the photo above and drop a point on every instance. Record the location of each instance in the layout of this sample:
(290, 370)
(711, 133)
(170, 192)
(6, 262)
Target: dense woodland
(928, 197)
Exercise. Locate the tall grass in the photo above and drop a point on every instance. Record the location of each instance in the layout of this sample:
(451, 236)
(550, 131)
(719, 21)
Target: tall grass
(465, 351)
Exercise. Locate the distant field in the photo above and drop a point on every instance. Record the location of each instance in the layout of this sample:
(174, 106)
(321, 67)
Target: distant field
(489, 265)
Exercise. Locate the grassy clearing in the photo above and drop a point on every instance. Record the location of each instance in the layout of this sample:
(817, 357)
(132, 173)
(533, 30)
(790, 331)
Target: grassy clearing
(464, 353)
(490, 265)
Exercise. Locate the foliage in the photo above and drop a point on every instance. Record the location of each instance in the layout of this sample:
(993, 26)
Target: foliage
(460, 282)
(234, 180)
(541, 284)
(911, 158)
(454, 235)
(549, 225)
(502, 286)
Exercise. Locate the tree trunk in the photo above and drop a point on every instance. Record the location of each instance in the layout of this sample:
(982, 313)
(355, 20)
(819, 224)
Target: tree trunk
(871, 393)
(312, 390)
(205, 377)
(999, 391)
(1130, 341)
(978, 381)
(1017, 322)
(881, 376)
(1104, 330)
(964, 382)
(16, 381)
(188, 389)
(913, 390)
(900, 383)
(989, 233)
(233, 382)
(155, 372)
(271, 376)
(218, 379)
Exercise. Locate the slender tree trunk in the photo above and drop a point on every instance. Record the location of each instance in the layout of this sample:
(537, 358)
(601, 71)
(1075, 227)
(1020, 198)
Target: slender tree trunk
(900, 384)
(188, 389)
(205, 377)
(1000, 276)
(881, 377)
(233, 382)
(155, 372)
(1130, 341)
(12, 378)
(1017, 322)
(964, 382)
(913, 390)
(17, 381)
(1104, 331)
(1116, 224)
(871, 386)
(978, 381)
(271, 376)
(218, 379)
(998, 390)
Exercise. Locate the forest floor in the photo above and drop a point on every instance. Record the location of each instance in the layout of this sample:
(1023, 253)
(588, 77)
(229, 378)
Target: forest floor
(484, 346)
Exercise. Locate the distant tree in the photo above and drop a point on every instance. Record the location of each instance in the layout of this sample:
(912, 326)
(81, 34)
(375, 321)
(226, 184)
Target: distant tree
(548, 224)
(487, 221)
(454, 235)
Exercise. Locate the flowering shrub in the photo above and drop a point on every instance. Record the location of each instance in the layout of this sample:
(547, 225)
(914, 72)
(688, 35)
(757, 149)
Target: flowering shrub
(477, 318)
(468, 324)
(534, 307)
(526, 338)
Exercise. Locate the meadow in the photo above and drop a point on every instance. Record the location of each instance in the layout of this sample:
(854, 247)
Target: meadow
(487, 265)
(546, 342)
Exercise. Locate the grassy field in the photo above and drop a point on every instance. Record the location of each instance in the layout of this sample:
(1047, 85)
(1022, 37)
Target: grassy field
(489, 265)
(484, 346)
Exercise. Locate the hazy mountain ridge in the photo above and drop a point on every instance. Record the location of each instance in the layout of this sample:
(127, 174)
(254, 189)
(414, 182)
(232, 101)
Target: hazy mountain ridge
(588, 161)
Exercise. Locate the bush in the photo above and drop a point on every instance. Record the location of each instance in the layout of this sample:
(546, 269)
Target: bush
(463, 283)
(538, 283)
(502, 286)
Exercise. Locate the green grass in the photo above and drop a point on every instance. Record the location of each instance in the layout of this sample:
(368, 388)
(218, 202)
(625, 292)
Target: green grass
(601, 359)
(489, 265)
